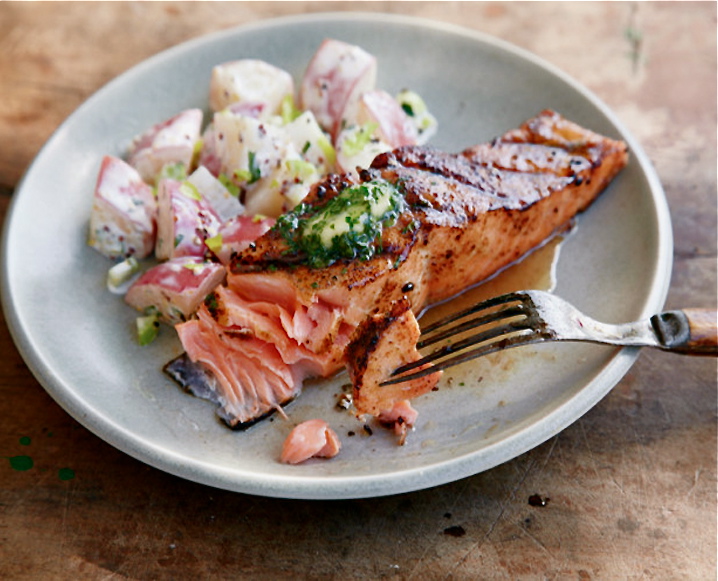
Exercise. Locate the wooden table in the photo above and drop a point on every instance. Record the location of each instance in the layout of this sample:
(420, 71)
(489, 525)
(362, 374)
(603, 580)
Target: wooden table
(632, 484)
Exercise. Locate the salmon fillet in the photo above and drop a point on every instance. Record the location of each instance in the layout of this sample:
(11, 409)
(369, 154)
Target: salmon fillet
(381, 343)
(278, 320)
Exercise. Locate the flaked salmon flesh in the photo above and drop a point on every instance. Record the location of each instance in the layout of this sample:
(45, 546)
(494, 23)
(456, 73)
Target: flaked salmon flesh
(310, 439)
(278, 321)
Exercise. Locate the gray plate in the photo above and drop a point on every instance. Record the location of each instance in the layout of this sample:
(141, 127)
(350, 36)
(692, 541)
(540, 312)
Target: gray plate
(78, 339)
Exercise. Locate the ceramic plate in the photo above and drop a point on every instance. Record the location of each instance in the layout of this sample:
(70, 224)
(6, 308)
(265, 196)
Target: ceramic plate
(78, 339)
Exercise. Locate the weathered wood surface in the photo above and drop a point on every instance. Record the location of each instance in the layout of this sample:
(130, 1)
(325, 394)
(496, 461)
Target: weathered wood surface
(632, 484)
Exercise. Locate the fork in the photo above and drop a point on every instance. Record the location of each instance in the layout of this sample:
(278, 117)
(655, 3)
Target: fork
(531, 316)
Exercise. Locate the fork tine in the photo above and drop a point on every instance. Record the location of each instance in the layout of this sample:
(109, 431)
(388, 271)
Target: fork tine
(478, 307)
(446, 330)
(475, 339)
(516, 340)
(510, 306)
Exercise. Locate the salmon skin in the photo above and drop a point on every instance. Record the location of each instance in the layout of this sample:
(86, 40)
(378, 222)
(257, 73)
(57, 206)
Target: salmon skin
(278, 321)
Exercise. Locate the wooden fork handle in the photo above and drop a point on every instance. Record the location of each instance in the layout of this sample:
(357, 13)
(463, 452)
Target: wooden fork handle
(689, 331)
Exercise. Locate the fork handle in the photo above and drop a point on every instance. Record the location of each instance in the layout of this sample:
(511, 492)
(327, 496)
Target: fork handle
(688, 331)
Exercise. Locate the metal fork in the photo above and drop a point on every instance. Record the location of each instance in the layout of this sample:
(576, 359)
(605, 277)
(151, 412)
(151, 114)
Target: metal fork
(531, 316)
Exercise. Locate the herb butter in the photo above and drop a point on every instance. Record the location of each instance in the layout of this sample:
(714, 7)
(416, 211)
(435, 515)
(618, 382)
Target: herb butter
(347, 226)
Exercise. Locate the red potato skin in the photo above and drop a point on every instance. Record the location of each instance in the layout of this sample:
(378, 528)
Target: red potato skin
(176, 287)
(394, 126)
(171, 141)
(335, 78)
(123, 221)
(239, 232)
(183, 223)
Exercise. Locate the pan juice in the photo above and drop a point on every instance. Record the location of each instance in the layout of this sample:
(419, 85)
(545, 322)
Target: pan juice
(537, 271)
(534, 271)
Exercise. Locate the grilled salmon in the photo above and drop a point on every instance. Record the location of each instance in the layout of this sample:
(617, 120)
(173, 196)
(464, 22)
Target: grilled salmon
(287, 313)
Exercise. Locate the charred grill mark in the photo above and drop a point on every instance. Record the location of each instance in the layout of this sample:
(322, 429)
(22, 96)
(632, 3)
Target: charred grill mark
(211, 301)
(446, 167)
(367, 335)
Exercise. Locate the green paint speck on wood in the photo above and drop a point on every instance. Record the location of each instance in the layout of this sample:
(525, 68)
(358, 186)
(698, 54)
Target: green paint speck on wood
(66, 473)
(21, 462)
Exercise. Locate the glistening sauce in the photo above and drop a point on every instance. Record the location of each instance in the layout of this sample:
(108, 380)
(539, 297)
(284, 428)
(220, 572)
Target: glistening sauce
(535, 271)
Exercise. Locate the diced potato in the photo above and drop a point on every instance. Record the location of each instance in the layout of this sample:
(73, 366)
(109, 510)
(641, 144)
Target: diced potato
(124, 212)
(393, 124)
(225, 204)
(313, 144)
(248, 148)
(296, 178)
(175, 289)
(419, 115)
(184, 221)
(251, 109)
(249, 81)
(284, 189)
(236, 234)
(208, 156)
(335, 78)
(260, 158)
(171, 142)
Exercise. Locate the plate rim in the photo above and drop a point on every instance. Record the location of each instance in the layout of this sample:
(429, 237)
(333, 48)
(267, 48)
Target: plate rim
(329, 487)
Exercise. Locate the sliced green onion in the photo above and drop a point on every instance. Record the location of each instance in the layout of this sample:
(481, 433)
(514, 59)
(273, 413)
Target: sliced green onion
(243, 175)
(197, 151)
(214, 243)
(148, 327)
(175, 171)
(411, 102)
(330, 154)
(122, 272)
(359, 139)
(288, 110)
(253, 173)
(303, 170)
(254, 169)
(232, 188)
(190, 190)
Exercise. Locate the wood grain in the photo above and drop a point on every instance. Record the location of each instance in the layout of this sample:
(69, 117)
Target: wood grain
(626, 492)
(703, 325)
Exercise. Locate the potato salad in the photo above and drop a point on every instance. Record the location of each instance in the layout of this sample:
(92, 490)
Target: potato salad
(198, 187)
